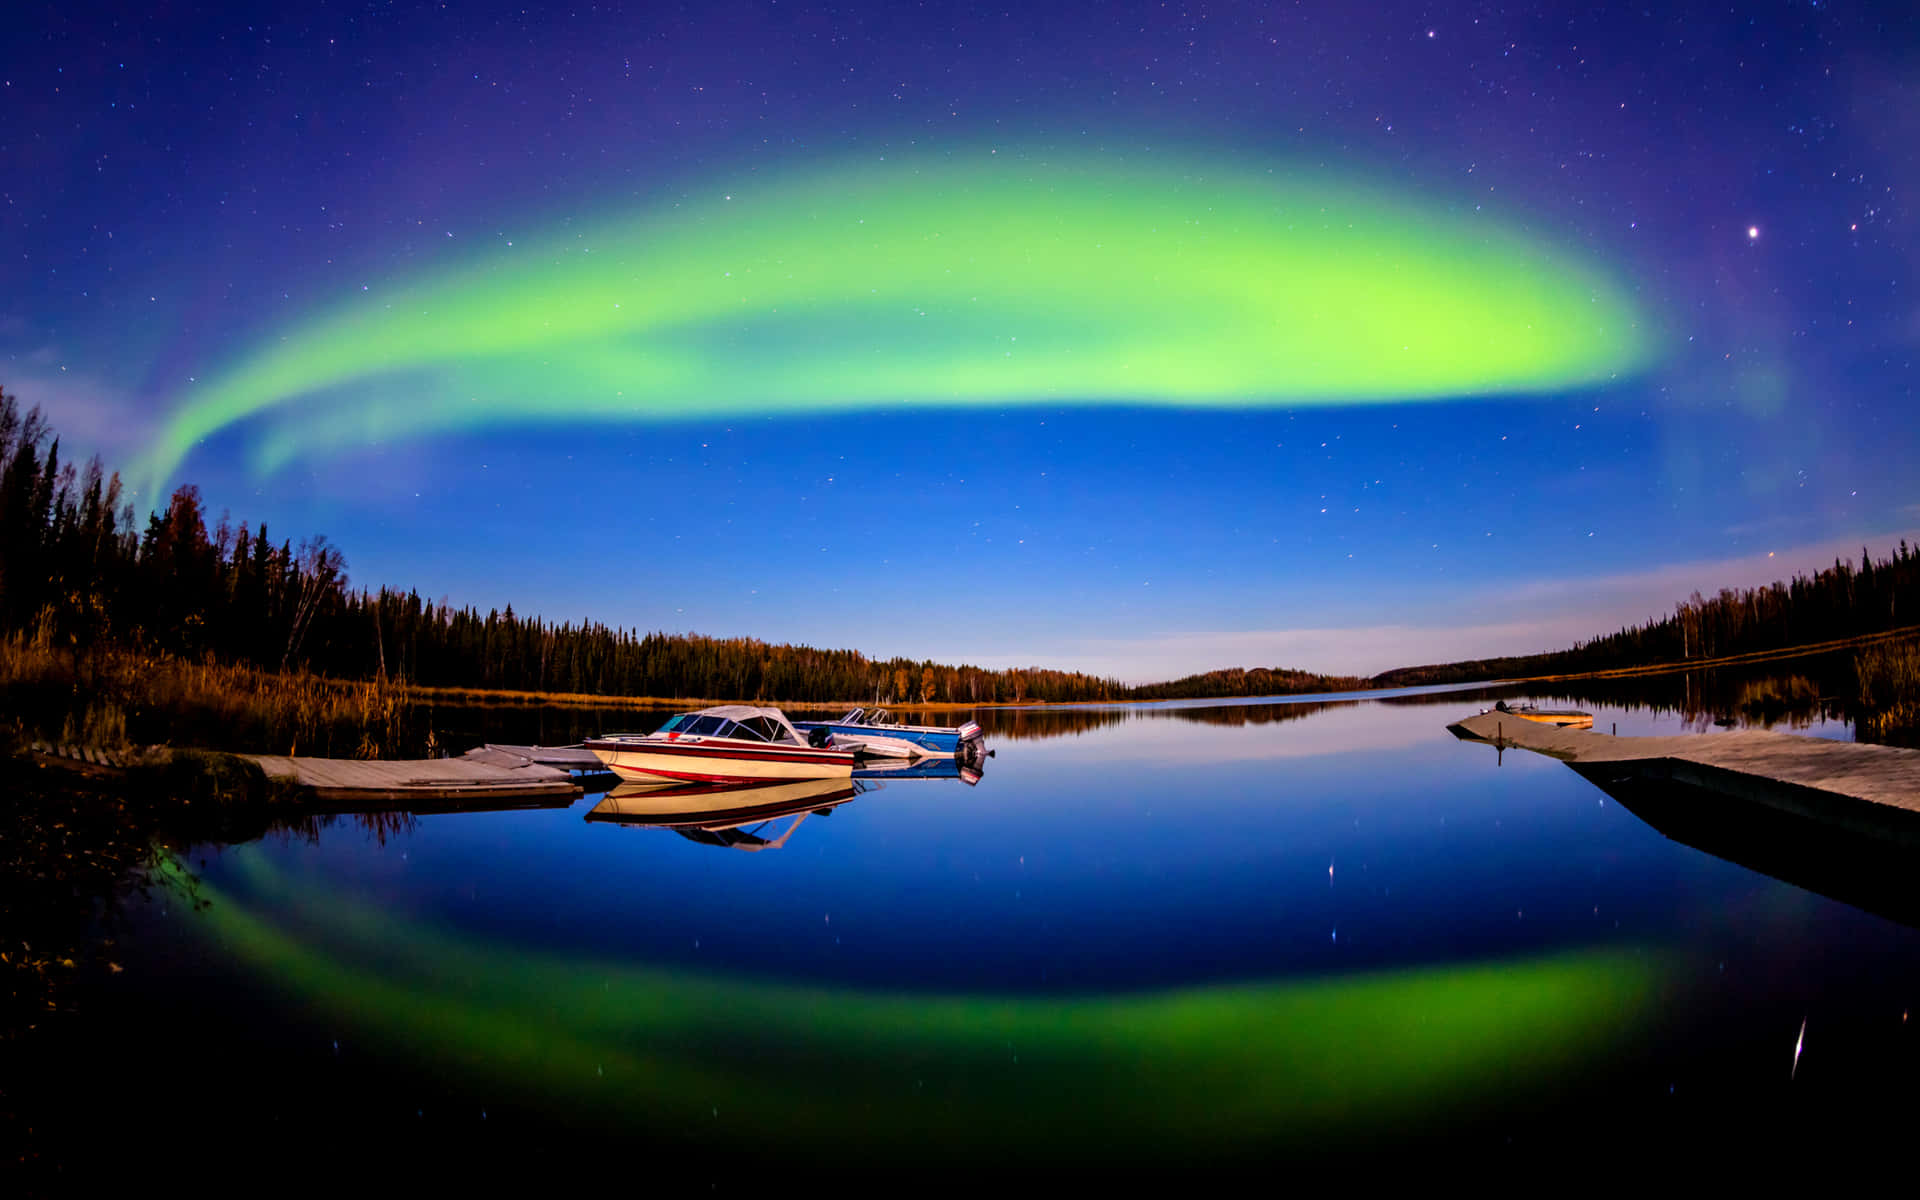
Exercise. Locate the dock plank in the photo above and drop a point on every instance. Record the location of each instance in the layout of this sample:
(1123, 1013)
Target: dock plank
(339, 779)
(567, 758)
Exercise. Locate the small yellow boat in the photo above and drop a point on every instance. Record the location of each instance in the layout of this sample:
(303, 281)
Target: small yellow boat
(1565, 718)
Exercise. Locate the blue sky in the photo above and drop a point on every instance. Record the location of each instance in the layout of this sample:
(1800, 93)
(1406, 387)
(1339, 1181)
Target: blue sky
(187, 188)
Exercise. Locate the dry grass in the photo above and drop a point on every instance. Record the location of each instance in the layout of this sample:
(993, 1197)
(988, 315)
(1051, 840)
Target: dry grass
(113, 698)
(1888, 688)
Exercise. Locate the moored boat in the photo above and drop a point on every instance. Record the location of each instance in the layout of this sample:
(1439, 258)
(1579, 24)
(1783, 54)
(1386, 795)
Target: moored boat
(730, 743)
(881, 736)
(1566, 718)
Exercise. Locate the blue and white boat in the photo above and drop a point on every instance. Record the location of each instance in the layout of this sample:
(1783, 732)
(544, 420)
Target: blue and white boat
(881, 736)
(729, 743)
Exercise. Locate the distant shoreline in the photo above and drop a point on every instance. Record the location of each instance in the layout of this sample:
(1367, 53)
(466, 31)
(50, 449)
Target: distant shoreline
(480, 697)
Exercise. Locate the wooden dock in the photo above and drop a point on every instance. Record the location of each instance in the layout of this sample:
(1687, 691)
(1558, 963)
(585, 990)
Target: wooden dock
(565, 758)
(487, 773)
(487, 777)
(1863, 788)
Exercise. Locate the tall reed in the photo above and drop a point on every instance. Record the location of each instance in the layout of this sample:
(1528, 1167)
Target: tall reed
(113, 696)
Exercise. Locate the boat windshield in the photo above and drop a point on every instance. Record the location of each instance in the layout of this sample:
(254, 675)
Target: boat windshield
(757, 728)
(767, 728)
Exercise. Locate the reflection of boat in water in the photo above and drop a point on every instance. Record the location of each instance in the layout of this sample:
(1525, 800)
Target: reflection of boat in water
(967, 769)
(881, 736)
(1567, 718)
(731, 743)
(734, 815)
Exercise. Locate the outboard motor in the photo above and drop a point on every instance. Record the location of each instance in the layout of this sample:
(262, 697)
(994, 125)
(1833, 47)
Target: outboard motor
(820, 739)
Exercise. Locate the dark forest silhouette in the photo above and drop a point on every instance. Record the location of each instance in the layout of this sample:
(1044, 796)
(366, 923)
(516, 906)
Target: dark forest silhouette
(79, 575)
(1841, 601)
(76, 570)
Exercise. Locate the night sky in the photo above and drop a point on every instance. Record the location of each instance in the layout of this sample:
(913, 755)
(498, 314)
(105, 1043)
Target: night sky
(1143, 339)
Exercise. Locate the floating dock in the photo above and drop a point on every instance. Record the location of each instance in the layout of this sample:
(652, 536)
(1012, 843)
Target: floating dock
(487, 773)
(488, 776)
(1863, 788)
(565, 758)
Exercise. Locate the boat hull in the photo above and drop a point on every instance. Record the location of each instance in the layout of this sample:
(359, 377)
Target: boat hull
(695, 761)
(1565, 720)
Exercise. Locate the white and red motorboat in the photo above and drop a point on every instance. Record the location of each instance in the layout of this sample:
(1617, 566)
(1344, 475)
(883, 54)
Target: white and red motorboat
(732, 743)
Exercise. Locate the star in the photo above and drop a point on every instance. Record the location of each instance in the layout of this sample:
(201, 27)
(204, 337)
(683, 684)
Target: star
(1753, 233)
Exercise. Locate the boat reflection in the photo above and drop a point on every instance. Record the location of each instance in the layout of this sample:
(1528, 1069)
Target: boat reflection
(739, 816)
(966, 769)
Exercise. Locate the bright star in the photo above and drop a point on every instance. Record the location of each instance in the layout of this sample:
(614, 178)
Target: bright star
(1753, 233)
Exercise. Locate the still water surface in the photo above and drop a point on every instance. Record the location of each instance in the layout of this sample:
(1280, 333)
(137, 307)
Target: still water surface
(1167, 934)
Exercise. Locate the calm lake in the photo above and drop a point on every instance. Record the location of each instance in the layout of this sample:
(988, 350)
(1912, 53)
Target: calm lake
(1165, 935)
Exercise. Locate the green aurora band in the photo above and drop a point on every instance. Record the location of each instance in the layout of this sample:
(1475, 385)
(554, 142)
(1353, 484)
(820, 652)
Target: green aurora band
(988, 281)
(833, 1072)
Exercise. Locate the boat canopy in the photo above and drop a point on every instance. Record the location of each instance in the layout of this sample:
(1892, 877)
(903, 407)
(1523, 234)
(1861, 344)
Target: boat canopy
(743, 721)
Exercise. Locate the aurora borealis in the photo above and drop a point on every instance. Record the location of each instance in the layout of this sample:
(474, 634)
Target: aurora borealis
(958, 283)
(1142, 338)
(1164, 1075)
(1218, 333)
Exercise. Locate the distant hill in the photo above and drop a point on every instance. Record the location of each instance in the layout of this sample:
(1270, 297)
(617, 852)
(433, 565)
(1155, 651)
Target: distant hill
(1245, 681)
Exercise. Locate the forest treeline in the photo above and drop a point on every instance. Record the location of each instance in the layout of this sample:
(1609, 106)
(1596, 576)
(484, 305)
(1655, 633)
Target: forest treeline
(79, 571)
(1841, 601)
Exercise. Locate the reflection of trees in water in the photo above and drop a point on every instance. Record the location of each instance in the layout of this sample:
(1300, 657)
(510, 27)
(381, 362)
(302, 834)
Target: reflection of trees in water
(1887, 689)
(75, 859)
(379, 826)
(1817, 690)
(73, 863)
(459, 727)
(1877, 689)
(1881, 698)
(1250, 714)
(1015, 724)
(473, 725)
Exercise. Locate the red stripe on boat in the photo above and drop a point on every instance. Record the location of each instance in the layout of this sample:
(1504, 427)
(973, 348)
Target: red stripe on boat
(695, 777)
(687, 750)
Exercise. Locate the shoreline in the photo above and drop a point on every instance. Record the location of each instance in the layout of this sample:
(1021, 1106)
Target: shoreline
(481, 697)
